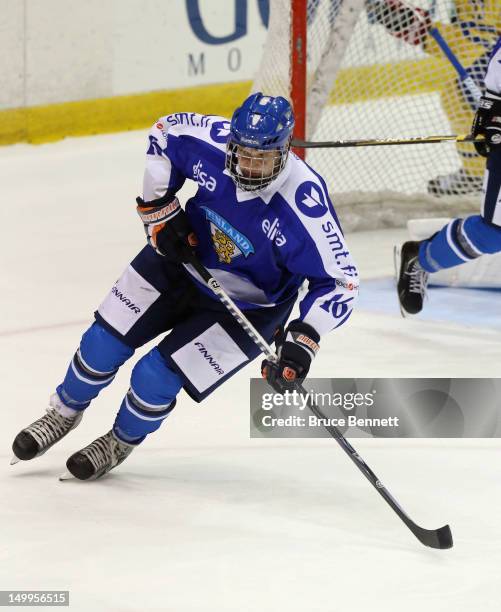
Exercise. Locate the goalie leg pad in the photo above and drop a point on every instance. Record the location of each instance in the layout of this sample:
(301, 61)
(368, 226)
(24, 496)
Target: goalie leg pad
(150, 399)
(93, 367)
(460, 241)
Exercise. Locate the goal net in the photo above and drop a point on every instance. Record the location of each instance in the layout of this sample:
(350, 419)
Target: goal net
(363, 69)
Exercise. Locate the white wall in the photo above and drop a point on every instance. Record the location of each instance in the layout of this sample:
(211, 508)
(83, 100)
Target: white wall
(63, 50)
(68, 50)
(11, 53)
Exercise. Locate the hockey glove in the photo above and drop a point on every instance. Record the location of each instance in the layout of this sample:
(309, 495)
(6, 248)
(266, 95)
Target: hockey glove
(296, 348)
(487, 122)
(167, 228)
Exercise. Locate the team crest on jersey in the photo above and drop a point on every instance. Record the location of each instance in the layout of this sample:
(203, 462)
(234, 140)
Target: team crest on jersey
(228, 241)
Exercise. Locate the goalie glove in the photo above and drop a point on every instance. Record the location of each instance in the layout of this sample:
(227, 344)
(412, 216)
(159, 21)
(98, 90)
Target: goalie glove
(487, 123)
(296, 348)
(410, 23)
(167, 228)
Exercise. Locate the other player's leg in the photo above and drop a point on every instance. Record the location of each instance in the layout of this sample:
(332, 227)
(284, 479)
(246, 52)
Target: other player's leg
(460, 241)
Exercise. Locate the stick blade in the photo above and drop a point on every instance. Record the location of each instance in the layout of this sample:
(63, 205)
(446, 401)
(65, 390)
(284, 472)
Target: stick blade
(435, 538)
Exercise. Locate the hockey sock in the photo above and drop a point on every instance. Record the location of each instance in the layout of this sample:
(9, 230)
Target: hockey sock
(150, 399)
(93, 367)
(459, 241)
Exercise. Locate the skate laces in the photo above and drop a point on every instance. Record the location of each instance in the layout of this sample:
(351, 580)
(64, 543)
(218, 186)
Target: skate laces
(51, 427)
(105, 452)
(418, 280)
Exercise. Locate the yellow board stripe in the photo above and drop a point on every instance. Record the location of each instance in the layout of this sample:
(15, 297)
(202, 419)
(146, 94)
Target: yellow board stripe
(39, 124)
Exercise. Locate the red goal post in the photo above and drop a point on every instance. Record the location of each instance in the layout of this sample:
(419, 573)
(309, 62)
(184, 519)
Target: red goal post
(299, 45)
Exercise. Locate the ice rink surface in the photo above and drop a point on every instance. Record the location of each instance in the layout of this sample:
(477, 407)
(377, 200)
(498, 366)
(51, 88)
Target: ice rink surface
(201, 517)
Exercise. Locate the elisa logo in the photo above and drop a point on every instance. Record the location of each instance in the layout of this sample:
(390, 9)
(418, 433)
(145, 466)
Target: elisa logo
(202, 178)
(273, 232)
(310, 200)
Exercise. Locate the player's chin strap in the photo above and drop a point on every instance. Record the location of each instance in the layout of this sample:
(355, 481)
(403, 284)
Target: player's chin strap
(435, 538)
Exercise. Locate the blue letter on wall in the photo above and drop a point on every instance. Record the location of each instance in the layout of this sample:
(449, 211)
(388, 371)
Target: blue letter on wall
(240, 29)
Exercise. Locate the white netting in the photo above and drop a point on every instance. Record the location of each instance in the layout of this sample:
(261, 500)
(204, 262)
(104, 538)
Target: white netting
(376, 71)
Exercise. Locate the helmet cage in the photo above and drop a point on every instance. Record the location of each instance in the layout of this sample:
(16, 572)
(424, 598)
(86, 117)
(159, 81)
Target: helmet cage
(252, 168)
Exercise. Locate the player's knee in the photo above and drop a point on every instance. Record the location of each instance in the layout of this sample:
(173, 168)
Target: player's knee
(150, 399)
(484, 236)
(102, 352)
(153, 382)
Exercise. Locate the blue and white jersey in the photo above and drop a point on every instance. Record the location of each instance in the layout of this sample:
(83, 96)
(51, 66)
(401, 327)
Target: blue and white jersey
(261, 246)
(493, 76)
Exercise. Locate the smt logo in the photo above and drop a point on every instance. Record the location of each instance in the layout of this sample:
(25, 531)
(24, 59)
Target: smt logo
(202, 178)
(206, 355)
(310, 200)
(337, 307)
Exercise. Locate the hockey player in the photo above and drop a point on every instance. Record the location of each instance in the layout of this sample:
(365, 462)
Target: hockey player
(471, 33)
(461, 240)
(261, 222)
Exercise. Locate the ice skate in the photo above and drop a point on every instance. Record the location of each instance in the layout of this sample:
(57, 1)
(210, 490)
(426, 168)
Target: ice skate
(37, 438)
(412, 280)
(457, 183)
(98, 458)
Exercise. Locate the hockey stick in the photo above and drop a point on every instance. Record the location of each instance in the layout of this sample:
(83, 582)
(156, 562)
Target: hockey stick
(464, 75)
(375, 142)
(434, 538)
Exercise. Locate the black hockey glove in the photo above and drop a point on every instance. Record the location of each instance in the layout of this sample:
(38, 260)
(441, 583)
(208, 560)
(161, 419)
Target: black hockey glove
(487, 122)
(296, 348)
(167, 228)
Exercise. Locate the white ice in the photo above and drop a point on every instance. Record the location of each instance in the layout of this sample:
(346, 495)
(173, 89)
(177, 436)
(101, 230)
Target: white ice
(201, 517)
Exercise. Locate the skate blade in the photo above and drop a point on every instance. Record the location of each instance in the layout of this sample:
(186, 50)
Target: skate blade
(66, 476)
(69, 476)
(396, 260)
(397, 249)
(14, 460)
